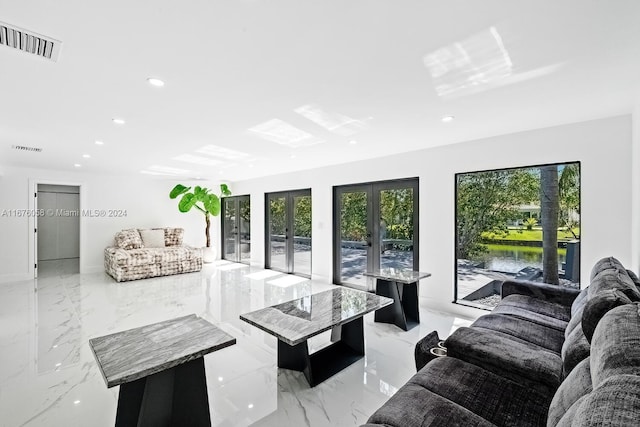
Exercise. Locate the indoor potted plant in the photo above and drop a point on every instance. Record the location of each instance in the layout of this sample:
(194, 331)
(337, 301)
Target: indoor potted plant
(206, 202)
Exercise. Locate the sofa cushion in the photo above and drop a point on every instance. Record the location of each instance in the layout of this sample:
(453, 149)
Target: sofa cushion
(598, 306)
(606, 264)
(526, 330)
(504, 355)
(173, 236)
(616, 402)
(579, 302)
(576, 385)
(152, 238)
(615, 346)
(575, 349)
(614, 280)
(532, 316)
(536, 305)
(128, 239)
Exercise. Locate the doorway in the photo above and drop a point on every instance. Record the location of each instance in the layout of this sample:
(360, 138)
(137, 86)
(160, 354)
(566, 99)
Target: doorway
(288, 240)
(375, 226)
(236, 229)
(57, 230)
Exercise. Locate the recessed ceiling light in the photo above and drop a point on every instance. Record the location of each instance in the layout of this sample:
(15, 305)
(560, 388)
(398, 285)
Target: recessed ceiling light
(153, 81)
(118, 121)
(77, 165)
(251, 165)
(86, 156)
(99, 143)
(75, 402)
(250, 406)
(293, 156)
(353, 142)
(220, 173)
(447, 119)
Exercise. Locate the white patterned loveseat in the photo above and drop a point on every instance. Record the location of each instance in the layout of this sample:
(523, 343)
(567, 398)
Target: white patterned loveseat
(143, 253)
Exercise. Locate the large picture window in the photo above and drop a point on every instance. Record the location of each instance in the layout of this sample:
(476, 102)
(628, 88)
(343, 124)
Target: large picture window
(516, 223)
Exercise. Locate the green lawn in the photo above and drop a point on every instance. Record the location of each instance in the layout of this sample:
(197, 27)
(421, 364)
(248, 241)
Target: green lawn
(520, 249)
(529, 235)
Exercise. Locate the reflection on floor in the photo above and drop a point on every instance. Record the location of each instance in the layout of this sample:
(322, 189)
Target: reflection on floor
(48, 376)
(58, 267)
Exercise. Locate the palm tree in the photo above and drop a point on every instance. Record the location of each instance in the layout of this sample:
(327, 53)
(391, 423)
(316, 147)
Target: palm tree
(549, 209)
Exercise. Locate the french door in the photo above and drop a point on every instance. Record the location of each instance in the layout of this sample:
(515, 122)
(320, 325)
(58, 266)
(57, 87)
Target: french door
(236, 229)
(288, 228)
(375, 226)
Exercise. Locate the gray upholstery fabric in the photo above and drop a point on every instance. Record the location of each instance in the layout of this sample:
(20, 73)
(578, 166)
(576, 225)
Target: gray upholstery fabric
(542, 291)
(499, 353)
(574, 350)
(611, 280)
(531, 332)
(615, 346)
(446, 393)
(531, 316)
(598, 306)
(576, 320)
(607, 263)
(580, 301)
(421, 353)
(634, 278)
(537, 305)
(576, 385)
(616, 402)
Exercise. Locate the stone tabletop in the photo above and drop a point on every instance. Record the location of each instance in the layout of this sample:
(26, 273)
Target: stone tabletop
(398, 275)
(136, 353)
(295, 321)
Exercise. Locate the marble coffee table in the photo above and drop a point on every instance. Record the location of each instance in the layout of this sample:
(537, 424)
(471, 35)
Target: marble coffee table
(160, 371)
(402, 286)
(294, 322)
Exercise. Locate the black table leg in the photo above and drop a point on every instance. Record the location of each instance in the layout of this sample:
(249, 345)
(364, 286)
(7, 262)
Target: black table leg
(324, 363)
(404, 311)
(175, 397)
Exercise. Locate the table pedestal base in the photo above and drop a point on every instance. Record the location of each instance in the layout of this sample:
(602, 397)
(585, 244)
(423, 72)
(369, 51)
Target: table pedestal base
(175, 397)
(324, 363)
(404, 311)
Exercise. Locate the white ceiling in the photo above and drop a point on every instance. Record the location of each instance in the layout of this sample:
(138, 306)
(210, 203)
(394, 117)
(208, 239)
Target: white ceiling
(378, 72)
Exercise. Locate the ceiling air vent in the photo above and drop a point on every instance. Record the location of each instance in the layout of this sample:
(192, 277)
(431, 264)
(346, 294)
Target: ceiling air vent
(29, 42)
(25, 148)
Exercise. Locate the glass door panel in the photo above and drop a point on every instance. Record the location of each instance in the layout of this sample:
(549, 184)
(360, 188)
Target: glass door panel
(278, 230)
(355, 237)
(229, 229)
(396, 228)
(244, 228)
(236, 229)
(302, 234)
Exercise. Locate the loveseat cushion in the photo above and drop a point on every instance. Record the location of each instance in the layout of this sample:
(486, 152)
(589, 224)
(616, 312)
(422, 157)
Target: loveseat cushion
(137, 257)
(576, 385)
(128, 239)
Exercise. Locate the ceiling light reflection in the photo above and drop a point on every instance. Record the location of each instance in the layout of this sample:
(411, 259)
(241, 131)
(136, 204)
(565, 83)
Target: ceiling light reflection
(281, 132)
(333, 122)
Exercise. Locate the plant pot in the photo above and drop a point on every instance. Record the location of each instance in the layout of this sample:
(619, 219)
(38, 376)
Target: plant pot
(209, 255)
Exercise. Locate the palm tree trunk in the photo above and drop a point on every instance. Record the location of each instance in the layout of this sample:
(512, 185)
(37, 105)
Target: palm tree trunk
(549, 209)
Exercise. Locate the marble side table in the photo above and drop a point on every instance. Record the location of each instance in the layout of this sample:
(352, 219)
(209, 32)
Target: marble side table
(402, 286)
(294, 322)
(160, 371)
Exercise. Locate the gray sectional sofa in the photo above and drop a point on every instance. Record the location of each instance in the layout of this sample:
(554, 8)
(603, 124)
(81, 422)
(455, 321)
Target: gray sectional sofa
(546, 356)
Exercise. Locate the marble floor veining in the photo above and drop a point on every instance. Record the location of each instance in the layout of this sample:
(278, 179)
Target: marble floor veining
(49, 377)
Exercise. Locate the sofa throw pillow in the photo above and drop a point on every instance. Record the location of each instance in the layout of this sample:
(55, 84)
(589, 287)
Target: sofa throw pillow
(129, 239)
(173, 236)
(152, 238)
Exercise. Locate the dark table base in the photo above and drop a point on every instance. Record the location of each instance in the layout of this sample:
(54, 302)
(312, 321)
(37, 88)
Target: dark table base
(324, 363)
(175, 397)
(404, 311)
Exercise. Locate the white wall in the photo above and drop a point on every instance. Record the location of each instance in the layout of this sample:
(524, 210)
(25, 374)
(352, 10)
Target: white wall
(635, 191)
(603, 146)
(146, 201)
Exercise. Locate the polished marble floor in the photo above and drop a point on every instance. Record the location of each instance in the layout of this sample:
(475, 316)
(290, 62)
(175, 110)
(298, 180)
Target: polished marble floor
(48, 376)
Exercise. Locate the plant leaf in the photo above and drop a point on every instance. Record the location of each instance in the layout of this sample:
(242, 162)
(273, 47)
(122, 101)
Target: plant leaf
(187, 202)
(224, 189)
(212, 204)
(178, 190)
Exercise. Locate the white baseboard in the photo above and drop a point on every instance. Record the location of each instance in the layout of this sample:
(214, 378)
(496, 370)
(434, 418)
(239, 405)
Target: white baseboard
(6, 278)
